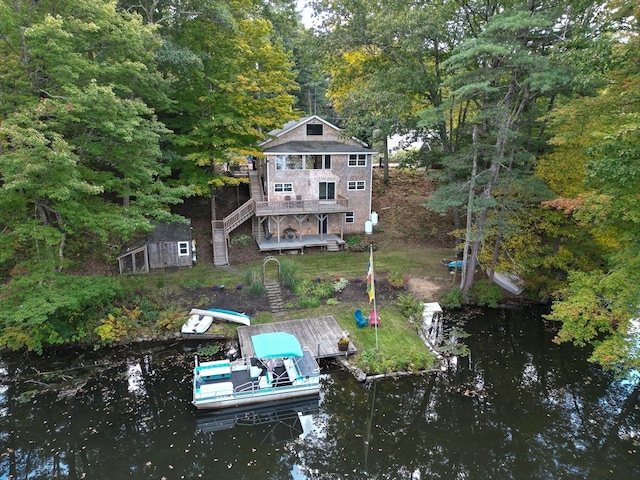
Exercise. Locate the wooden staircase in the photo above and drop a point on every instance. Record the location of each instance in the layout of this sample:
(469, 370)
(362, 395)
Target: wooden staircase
(333, 247)
(220, 229)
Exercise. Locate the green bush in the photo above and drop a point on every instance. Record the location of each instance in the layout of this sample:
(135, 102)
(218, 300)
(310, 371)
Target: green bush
(409, 305)
(288, 274)
(396, 279)
(353, 241)
(485, 293)
(242, 240)
(253, 277)
(308, 302)
(340, 284)
(320, 290)
(451, 299)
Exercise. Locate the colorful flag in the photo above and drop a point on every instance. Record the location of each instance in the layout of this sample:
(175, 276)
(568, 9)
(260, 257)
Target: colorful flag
(371, 289)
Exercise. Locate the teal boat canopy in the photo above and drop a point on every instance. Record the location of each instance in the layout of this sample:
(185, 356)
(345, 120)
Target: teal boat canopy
(278, 344)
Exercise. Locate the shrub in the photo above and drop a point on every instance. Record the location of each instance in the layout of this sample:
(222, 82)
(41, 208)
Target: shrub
(253, 277)
(340, 284)
(319, 290)
(242, 240)
(288, 274)
(352, 241)
(409, 305)
(396, 280)
(170, 319)
(485, 293)
(452, 298)
(308, 302)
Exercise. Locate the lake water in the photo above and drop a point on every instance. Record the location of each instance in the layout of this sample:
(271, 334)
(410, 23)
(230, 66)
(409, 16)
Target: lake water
(522, 408)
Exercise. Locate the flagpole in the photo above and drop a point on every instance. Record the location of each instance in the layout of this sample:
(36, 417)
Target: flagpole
(373, 288)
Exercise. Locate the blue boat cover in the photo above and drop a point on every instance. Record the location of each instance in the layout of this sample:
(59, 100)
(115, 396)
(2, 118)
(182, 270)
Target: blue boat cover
(278, 344)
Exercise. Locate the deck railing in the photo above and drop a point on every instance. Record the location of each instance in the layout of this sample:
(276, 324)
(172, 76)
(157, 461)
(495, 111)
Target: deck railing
(284, 207)
(239, 216)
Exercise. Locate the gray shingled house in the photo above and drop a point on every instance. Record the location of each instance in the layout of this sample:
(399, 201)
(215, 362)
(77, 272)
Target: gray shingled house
(310, 187)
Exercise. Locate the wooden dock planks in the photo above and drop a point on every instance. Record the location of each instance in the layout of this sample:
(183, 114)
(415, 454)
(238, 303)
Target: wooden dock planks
(318, 334)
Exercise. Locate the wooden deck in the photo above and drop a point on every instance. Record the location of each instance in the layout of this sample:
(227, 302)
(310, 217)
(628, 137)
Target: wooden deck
(279, 243)
(318, 334)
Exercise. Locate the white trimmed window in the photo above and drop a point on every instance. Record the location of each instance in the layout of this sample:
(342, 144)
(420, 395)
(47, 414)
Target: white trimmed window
(349, 217)
(356, 185)
(283, 187)
(358, 160)
(183, 249)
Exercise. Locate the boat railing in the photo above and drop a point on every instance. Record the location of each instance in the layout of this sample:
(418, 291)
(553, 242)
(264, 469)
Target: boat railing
(248, 387)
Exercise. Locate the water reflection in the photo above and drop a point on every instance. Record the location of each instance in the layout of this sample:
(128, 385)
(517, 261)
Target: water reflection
(524, 408)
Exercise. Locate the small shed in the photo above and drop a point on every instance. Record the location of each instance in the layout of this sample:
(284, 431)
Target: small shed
(168, 245)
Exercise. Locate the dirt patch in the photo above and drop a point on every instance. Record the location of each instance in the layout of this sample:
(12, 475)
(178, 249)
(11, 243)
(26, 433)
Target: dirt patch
(400, 203)
(229, 298)
(425, 289)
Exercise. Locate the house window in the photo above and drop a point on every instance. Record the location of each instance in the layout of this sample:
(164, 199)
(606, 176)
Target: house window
(356, 185)
(358, 160)
(314, 162)
(289, 162)
(294, 162)
(314, 129)
(327, 190)
(283, 187)
(183, 249)
(327, 162)
(349, 217)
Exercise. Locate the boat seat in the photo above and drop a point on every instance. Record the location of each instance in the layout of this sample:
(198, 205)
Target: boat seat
(214, 390)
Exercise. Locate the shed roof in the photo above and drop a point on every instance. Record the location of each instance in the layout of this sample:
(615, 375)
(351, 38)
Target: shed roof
(170, 232)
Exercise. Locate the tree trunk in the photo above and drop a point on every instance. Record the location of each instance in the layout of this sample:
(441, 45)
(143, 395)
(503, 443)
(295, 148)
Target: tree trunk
(386, 159)
(464, 287)
(213, 205)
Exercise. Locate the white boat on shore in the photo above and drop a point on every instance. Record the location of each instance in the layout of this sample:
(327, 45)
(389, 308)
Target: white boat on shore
(200, 320)
(197, 323)
(509, 282)
(226, 315)
(279, 370)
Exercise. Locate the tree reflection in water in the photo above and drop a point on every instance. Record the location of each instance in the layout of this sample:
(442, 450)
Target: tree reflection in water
(525, 408)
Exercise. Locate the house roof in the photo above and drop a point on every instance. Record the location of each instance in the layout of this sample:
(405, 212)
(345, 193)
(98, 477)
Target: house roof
(298, 123)
(287, 127)
(311, 147)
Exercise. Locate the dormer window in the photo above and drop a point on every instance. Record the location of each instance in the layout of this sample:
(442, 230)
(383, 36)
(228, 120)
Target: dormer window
(315, 129)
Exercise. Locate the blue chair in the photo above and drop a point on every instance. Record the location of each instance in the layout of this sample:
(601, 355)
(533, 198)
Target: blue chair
(361, 320)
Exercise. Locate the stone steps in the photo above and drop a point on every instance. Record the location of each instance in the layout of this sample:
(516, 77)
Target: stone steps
(274, 294)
